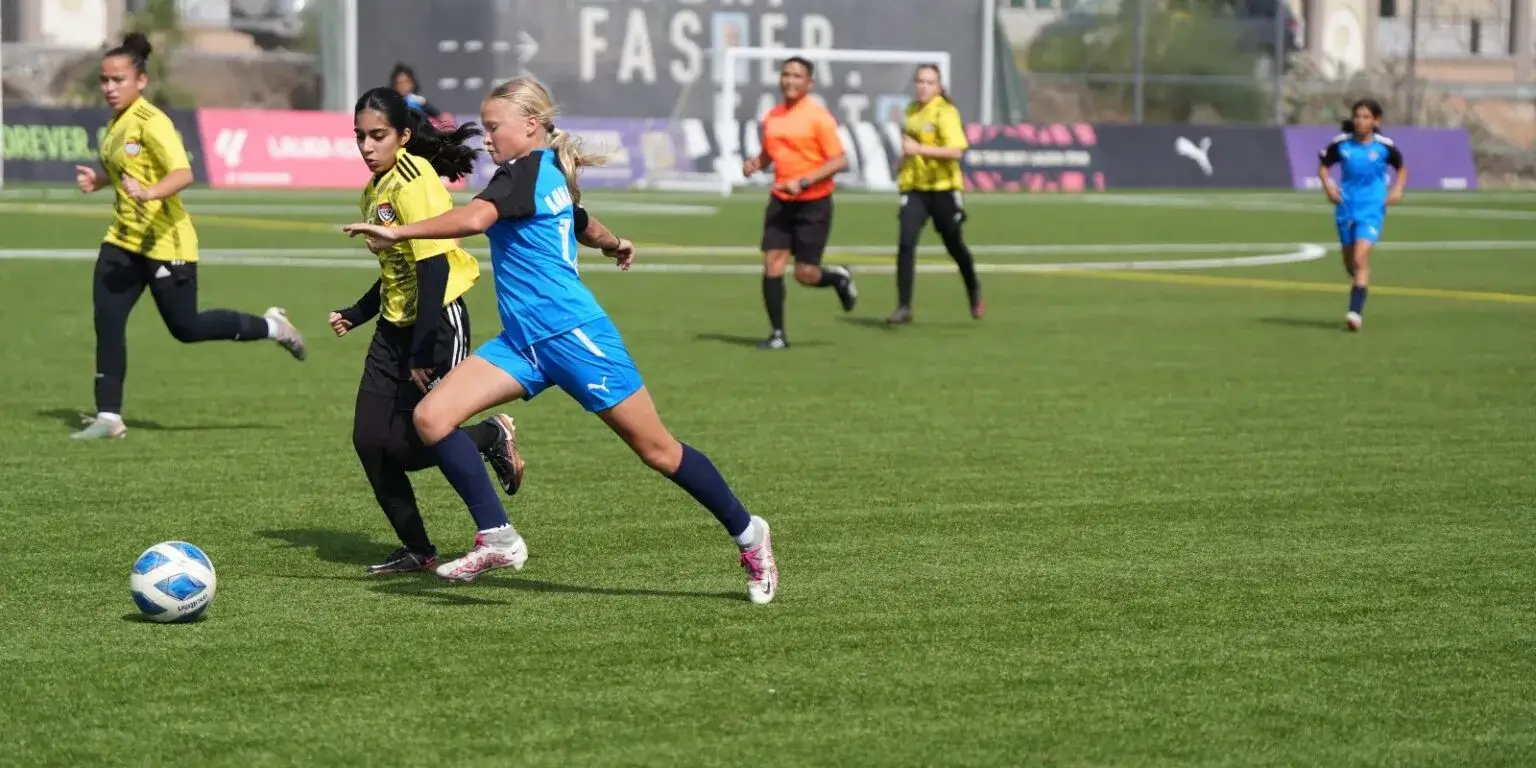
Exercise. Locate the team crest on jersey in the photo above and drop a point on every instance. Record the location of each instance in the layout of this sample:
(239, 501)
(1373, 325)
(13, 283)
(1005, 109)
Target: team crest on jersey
(1371, 154)
(131, 149)
(386, 213)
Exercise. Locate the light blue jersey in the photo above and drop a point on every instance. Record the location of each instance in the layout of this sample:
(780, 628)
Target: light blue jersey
(1363, 184)
(533, 251)
(553, 329)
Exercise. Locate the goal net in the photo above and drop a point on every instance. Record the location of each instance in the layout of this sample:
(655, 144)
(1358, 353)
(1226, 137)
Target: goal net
(866, 90)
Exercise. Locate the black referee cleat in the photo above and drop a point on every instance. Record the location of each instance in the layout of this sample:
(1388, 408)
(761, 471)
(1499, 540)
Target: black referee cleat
(847, 292)
(404, 560)
(503, 457)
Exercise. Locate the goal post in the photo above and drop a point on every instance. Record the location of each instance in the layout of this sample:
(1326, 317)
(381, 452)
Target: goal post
(730, 133)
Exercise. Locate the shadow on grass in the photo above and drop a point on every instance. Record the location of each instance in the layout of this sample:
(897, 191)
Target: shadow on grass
(76, 419)
(750, 341)
(451, 593)
(344, 547)
(872, 323)
(1303, 322)
(139, 618)
(351, 548)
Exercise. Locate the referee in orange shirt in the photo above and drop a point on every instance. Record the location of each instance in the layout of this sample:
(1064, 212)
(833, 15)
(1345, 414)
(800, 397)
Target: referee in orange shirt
(800, 141)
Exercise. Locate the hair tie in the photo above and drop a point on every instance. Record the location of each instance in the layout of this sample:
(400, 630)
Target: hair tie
(549, 126)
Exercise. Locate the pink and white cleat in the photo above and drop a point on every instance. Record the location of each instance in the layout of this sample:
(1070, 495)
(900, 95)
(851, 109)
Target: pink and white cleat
(1353, 321)
(762, 570)
(499, 548)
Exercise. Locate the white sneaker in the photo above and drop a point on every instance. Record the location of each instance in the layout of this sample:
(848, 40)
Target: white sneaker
(288, 336)
(762, 570)
(1353, 321)
(492, 550)
(101, 428)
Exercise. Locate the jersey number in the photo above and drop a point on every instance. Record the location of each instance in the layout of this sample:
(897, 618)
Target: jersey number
(565, 243)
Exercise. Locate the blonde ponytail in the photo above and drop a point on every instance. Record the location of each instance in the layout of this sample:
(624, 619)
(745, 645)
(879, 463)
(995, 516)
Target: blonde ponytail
(567, 149)
(534, 100)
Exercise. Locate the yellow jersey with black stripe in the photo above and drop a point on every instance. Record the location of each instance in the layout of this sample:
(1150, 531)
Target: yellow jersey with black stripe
(407, 193)
(142, 144)
(935, 124)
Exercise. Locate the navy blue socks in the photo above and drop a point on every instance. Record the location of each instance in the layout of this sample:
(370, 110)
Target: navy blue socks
(697, 475)
(1357, 299)
(460, 462)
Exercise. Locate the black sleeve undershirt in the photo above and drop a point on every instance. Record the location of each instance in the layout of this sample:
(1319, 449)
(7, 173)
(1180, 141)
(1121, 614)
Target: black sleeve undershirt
(431, 287)
(366, 307)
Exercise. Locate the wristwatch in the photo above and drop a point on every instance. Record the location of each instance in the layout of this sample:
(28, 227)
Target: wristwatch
(805, 183)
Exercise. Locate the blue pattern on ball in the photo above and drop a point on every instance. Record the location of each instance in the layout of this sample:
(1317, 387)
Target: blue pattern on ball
(146, 605)
(193, 552)
(181, 586)
(149, 561)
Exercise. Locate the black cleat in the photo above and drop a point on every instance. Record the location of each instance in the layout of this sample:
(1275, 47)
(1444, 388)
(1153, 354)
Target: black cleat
(775, 341)
(404, 560)
(503, 457)
(847, 292)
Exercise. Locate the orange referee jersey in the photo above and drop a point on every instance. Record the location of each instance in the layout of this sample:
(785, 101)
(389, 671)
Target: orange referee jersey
(799, 140)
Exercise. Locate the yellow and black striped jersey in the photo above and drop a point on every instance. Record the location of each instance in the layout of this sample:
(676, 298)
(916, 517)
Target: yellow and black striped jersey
(407, 193)
(935, 124)
(141, 143)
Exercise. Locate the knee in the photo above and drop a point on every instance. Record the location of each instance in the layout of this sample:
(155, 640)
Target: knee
(183, 330)
(431, 422)
(774, 263)
(807, 274)
(662, 453)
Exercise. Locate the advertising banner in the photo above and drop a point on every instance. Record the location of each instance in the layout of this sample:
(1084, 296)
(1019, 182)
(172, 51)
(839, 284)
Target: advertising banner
(1436, 158)
(44, 144)
(661, 58)
(279, 148)
(638, 151)
(1033, 158)
(1193, 157)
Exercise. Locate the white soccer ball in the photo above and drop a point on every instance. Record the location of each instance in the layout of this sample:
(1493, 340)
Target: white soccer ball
(172, 581)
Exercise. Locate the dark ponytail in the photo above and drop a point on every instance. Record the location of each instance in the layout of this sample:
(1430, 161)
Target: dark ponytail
(447, 153)
(135, 48)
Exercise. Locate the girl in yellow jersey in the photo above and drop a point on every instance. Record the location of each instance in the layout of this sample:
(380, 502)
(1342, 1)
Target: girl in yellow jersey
(423, 327)
(151, 243)
(932, 185)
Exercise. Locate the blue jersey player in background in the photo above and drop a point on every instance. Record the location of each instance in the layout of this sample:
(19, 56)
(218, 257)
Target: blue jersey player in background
(1362, 194)
(554, 333)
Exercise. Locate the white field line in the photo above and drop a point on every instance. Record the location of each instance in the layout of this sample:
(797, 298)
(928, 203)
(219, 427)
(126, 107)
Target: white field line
(319, 258)
(1238, 203)
(339, 210)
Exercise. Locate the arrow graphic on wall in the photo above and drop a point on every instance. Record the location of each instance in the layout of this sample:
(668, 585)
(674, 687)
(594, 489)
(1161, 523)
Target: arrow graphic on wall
(527, 48)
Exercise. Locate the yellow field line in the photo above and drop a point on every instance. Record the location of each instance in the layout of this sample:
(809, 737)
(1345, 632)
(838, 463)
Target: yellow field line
(289, 225)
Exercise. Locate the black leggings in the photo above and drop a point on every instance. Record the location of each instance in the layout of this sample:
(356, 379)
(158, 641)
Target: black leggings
(120, 280)
(948, 214)
(383, 433)
(388, 447)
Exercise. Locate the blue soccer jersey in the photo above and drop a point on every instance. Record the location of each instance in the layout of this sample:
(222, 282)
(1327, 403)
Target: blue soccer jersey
(554, 333)
(1363, 183)
(533, 252)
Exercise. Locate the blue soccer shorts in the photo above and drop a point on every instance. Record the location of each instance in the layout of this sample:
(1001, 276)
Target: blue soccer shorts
(589, 362)
(1357, 226)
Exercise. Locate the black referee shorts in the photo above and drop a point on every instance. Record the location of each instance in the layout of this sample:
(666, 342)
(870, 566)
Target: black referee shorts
(801, 227)
(387, 369)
